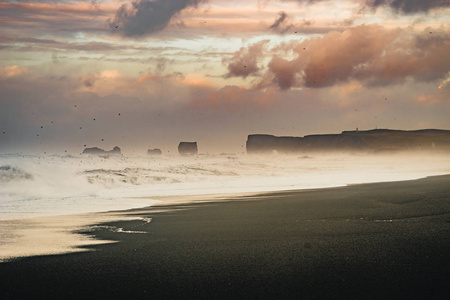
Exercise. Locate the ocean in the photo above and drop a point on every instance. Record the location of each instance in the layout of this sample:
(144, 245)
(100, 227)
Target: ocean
(49, 185)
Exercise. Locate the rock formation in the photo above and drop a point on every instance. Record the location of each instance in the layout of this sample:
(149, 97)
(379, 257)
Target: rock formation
(98, 151)
(188, 148)
(154, 152)
(369, 141)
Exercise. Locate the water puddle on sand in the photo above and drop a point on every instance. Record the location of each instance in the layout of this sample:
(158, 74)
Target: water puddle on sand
(51, 235)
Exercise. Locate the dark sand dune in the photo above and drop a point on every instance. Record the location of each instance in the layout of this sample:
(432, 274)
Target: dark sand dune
(372, 241)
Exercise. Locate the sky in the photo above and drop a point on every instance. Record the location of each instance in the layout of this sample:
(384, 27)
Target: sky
(152, 73)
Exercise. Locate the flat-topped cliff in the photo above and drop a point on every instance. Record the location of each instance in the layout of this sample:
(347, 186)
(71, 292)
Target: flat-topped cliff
(370, 141)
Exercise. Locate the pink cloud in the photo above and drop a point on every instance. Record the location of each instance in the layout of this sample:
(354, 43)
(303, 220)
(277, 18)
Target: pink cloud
(370, 54)
(245, 61)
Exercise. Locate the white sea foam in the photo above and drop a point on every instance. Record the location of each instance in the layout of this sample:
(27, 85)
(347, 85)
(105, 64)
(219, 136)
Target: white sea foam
(33, 185)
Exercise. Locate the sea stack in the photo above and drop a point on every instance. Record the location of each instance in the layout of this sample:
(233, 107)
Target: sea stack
(188, 148)
(97, 151)
(154, 152)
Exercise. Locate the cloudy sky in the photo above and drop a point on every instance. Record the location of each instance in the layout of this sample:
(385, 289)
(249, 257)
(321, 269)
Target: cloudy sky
(152, 73)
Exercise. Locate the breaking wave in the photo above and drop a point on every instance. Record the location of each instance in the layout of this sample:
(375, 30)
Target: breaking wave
(32, 185)
(8, 173)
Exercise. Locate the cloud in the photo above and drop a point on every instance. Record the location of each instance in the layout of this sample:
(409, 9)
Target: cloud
(370, 54)
(245, 61)
(166, 109)
(47, 19)
(13, 71)
(441, 95)
(282, 24)
(236, 99)
(409, 6)
(399, 6)
(145, 16)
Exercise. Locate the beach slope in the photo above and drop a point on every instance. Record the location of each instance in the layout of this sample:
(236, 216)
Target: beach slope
(372, 241)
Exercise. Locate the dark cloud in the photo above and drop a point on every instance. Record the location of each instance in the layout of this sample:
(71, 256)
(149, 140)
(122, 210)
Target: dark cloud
(145, 16)
(279, 21)
(399, 6)
(282, 24)
(409, 6)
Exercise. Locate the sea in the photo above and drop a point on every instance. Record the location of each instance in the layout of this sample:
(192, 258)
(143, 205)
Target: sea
(52, 185)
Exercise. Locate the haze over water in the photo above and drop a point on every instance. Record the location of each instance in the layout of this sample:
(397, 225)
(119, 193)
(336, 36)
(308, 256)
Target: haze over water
(32, 185)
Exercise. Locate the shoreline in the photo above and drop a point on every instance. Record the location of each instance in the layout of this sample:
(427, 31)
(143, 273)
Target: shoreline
(60, 232)
(372, 241)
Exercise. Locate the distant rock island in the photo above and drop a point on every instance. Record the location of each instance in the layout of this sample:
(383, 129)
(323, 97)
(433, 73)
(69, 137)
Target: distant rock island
(376, 140)
(98, 151)
(188, 148)
(154, 152)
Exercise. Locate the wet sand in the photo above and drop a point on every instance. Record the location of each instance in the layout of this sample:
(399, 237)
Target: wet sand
(371, 241)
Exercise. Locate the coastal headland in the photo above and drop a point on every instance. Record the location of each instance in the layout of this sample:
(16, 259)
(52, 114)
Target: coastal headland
(369, 141)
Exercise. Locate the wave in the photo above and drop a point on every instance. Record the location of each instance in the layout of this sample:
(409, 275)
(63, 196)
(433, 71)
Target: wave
(9, 173)
(52, 184)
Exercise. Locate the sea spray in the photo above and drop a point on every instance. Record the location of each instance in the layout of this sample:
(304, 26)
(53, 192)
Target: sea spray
(33, 185)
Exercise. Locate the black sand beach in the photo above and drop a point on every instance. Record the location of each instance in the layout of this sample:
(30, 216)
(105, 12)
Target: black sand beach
(371, 241)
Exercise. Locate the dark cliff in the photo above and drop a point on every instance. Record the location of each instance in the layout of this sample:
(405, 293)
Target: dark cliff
(370, 141)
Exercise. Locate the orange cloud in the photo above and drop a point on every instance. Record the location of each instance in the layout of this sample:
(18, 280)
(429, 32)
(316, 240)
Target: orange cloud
(13, 71)
(106, 82)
